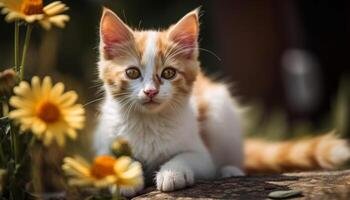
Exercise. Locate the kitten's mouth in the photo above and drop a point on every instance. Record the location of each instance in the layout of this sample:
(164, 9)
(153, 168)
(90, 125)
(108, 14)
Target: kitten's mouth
(150, 102)
(151, 105)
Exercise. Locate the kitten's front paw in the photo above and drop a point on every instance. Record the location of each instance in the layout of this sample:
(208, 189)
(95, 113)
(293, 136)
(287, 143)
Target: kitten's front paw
(170, 180)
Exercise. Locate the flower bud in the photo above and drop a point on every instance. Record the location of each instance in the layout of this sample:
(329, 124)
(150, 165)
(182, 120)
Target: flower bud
(8, 80)
(120, 147)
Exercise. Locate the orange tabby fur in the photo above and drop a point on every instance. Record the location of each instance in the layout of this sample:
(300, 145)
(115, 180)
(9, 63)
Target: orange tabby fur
(322, 152)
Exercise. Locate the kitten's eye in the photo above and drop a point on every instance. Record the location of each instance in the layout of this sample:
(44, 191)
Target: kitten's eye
(133, 73)
(168, 73)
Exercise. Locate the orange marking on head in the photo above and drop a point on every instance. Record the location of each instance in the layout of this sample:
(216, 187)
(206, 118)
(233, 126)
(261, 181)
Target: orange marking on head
(174, 47)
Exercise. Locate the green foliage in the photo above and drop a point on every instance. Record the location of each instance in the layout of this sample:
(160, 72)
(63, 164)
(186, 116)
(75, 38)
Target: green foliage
(341, 108)
(274, 124)
(14, 158)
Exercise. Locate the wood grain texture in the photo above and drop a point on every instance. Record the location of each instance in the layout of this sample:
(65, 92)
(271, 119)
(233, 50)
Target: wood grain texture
(314, 185)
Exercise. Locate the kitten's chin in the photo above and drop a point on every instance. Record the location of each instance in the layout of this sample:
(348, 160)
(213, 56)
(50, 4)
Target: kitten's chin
(152, 107)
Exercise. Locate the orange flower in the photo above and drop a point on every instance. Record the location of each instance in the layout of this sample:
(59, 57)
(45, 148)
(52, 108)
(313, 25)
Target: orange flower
(105, 171)
(34, 11)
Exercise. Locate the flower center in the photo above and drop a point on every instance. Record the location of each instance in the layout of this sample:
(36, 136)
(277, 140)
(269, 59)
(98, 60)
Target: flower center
(48, 112)
(32, 7)
(103, 166)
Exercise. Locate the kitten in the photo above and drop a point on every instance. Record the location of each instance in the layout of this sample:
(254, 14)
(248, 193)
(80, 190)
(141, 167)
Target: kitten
(180, 124)
(177, 121)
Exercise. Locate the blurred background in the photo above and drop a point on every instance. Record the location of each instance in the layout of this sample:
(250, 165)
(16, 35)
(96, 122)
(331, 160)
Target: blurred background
(288, 60)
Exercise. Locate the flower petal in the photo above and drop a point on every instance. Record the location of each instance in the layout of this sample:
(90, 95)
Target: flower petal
(72, 133)
(48, 138)
(68, 99)
(45, 24)
(122, 164)
(75, 110)
(36, 87)
(57, 91)
(23, 89)
(55, 8)
(32, 18)
(51, 5)
(12, 16)
(47, 85)
(76, 165)
(59, 20)
(59, 137)
(20, 102)
(134, 170)
(38, 128)
(105, 182)
(20, 113)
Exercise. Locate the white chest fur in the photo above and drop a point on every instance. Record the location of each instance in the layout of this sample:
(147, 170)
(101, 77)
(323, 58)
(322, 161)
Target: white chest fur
(154, 138)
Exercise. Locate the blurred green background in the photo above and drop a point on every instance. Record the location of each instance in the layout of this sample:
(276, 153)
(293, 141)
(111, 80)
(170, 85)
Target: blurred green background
(288, 60)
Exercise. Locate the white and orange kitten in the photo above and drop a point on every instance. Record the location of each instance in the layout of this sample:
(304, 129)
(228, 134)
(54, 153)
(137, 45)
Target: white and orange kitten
(180, 125)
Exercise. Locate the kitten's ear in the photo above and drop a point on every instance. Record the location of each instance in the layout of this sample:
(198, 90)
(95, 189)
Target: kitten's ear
(185, 33)
(114, 33)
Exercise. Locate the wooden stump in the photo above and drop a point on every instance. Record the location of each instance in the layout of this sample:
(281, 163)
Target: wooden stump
(314, 185)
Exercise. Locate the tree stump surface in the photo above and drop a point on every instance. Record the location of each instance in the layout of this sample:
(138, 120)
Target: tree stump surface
(313, 185)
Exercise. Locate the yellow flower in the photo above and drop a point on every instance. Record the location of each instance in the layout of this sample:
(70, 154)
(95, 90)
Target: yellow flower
(105, 171)
(33, 10)
(45, 110)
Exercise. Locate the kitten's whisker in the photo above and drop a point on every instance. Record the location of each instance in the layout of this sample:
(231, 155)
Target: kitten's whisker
(120, 94)
(124, 101)
(93, 101)
(96, 86)
(168, 51)
(210, 52)
(134, 110)
(172, 54)
(179, 51)
(171, 51)
(128, 110)
(126, 104)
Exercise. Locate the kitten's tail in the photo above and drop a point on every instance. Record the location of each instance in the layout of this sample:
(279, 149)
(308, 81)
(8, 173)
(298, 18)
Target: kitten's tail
(323, 152)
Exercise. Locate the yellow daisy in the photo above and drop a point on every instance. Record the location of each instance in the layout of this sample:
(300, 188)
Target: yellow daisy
(105, 171)
(45, 110)
(33, 10)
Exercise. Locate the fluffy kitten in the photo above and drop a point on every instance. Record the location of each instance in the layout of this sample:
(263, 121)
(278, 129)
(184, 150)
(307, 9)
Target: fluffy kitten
(181, 125)
(177, 121)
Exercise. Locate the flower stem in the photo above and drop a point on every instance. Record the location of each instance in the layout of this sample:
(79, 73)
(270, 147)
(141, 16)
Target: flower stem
(5, 109)
(116, 193)
(25, 49)
(5, 113)
(14, 141)
(16, 45)
(2, 155)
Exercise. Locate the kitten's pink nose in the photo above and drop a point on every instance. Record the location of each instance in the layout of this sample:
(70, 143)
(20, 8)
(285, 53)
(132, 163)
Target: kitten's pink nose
(151, 92)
